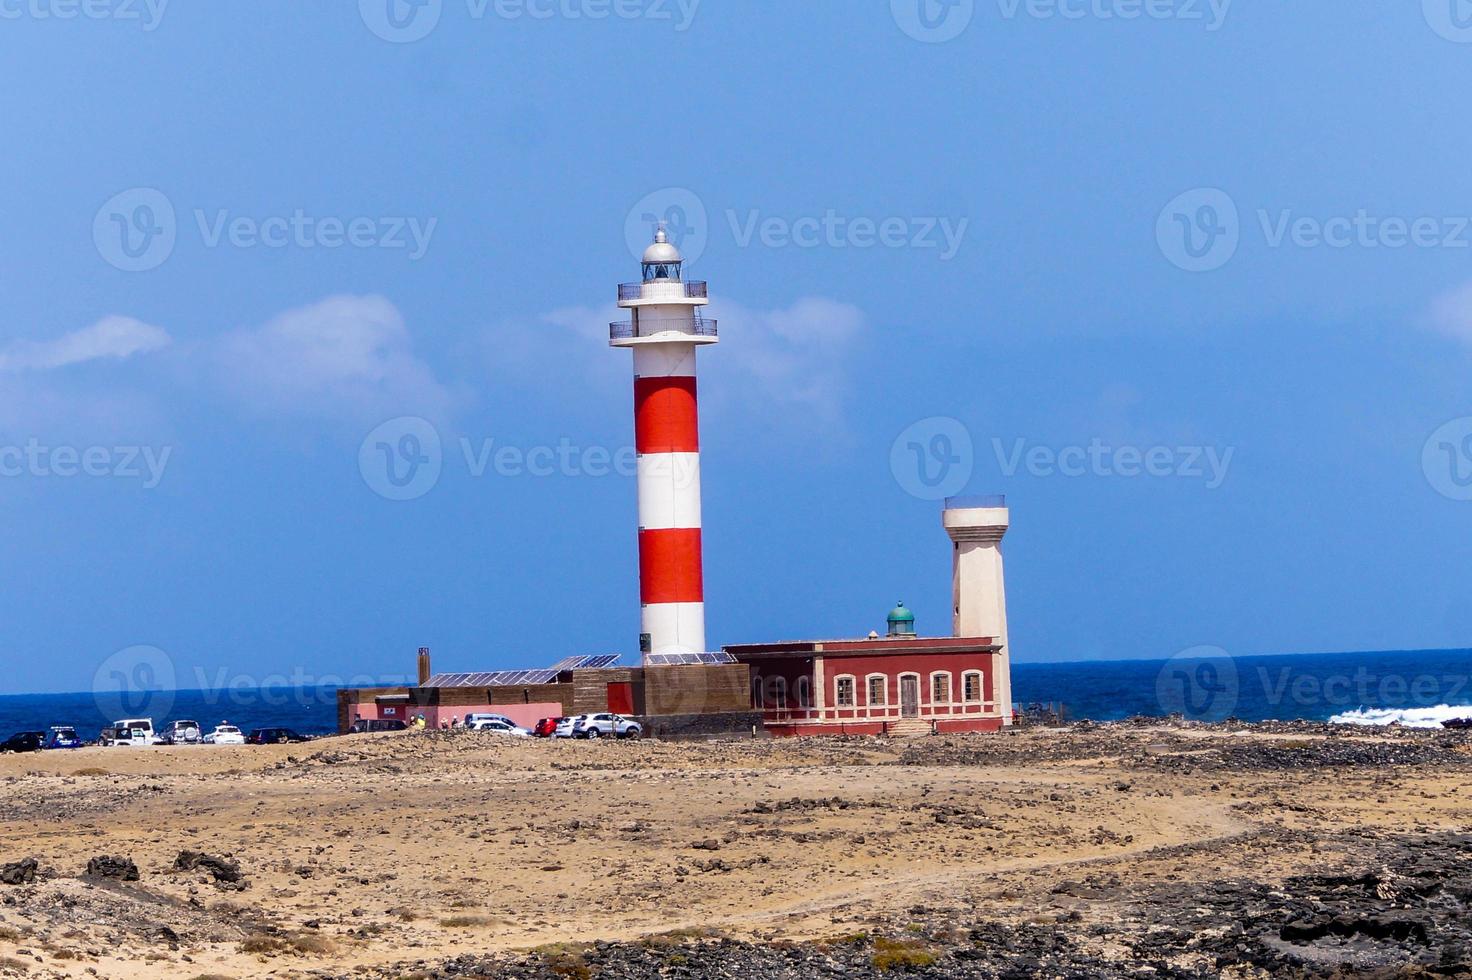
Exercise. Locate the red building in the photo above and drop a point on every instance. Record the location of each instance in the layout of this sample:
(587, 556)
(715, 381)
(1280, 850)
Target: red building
(898, 684)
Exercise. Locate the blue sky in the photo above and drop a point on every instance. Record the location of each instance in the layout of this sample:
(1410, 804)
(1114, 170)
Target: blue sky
(1232, 240)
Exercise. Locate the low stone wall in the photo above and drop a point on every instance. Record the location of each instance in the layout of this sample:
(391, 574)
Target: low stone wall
(698, 726)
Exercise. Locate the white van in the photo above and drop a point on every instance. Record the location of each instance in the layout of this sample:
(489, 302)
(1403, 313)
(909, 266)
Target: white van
(139, 731)
(477, 719)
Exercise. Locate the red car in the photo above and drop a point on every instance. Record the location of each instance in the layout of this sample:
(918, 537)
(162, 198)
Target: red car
(546, 727)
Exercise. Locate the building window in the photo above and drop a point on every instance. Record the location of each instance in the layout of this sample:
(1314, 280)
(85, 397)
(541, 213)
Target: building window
(779, 692)
(756, 693)
(973, 687)
(940, 688)
(877, 686)
(804, 693)
(845, 692)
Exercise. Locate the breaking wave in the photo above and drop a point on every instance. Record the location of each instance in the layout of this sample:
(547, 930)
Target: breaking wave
(1405, 717)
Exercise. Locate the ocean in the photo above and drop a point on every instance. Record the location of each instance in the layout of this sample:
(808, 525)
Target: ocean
(1412, 688)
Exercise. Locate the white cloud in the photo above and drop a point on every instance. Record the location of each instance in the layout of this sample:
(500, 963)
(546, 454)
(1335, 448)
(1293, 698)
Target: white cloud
(113, 337)
(794, 358)
(1451, 313)
(348, 357)
(774, 362)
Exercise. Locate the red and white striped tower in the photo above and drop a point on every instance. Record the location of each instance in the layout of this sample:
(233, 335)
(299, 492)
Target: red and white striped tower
(666, 328)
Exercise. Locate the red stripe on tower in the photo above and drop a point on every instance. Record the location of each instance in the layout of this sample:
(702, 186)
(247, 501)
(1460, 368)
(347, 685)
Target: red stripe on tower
(670, 566)
(666, 417)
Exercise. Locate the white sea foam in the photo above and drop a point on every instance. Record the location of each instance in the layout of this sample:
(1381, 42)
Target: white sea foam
(1407, 717)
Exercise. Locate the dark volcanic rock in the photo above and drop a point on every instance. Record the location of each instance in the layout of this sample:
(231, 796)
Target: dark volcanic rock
(224, 872)
(109, 866)
(19, 873)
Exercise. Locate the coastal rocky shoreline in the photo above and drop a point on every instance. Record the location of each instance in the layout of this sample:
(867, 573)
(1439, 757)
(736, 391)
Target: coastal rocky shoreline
(1146, 848)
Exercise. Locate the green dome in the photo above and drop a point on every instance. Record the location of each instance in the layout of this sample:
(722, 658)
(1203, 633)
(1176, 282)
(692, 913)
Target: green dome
(901, 620)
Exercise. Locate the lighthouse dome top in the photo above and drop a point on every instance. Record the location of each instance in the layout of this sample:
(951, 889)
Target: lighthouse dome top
(663, 251)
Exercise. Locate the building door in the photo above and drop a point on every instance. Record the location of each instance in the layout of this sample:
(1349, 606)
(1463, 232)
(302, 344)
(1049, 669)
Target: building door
(909, 697)
(621, 698)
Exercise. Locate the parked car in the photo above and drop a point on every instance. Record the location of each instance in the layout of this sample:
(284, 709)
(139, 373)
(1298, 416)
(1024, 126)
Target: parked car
(24, 742)
(377, 725)
(121, 735)
(606, 724)
(224, 734)
(565, 726)
(181, 733)
(274, 736)
(136, 725)
(63, 737)
(476, 718)
(499, 727)
(546, 728)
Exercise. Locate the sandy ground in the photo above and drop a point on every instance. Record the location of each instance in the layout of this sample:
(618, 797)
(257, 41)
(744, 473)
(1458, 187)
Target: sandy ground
(373, 850)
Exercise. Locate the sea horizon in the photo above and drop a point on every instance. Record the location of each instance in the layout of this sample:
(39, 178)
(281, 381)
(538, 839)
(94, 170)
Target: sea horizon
(1374, 687)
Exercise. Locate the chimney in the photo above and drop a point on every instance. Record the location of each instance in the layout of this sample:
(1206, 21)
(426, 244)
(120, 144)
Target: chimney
(423, 666)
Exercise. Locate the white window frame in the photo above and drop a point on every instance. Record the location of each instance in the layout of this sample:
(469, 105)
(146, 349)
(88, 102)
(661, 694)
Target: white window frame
(869, 701)
(853, 699)
(779, 693)
(980, 687)
(950, 687)
(758, 693)
(804, 693)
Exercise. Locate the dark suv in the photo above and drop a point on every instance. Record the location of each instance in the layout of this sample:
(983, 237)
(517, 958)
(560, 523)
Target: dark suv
(24, 742)
(273, 736)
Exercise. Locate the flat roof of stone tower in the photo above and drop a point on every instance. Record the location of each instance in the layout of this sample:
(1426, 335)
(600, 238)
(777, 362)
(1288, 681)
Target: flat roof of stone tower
(867, 647)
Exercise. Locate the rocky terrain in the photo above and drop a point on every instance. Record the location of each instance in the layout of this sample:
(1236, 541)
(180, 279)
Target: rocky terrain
(1144, 848)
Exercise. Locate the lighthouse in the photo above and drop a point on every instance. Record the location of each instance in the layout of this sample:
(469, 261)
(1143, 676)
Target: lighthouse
(666, 329)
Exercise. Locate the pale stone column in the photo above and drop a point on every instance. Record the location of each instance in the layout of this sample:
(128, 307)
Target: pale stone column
(978, 588)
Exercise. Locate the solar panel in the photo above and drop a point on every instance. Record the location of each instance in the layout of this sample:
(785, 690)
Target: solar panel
(717, 657)
(566, 663)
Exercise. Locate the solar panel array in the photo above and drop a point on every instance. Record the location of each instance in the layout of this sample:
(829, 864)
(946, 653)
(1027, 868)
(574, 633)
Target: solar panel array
(501, 678)
(685, 659)
(513, 678)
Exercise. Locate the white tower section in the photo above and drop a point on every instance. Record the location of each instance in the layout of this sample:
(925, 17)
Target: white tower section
(666, 329)
(978, 589)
